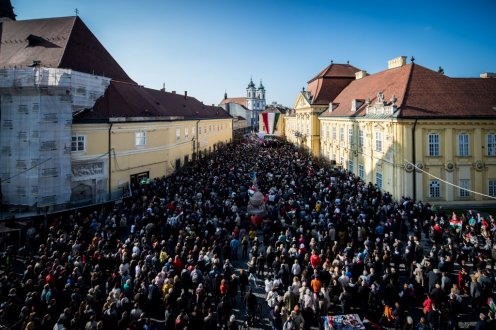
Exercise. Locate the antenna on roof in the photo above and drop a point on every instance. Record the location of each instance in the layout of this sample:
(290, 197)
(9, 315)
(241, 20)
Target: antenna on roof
(76, 11)
(332, 61)
(412, 59)
(348, 62)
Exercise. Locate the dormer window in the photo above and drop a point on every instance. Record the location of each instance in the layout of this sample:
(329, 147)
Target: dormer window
(34, 40)
(356, 104)
(333, 106)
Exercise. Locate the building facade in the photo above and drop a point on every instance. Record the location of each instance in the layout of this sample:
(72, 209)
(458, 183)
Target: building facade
(416, 132)
(151, 134)
(75, 129)
(302, 125)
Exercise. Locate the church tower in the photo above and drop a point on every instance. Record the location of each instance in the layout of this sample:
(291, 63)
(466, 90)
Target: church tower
(251, 95)
(6, 11)
(261, 96)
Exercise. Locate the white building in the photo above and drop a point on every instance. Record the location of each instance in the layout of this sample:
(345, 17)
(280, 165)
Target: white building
(248, 107)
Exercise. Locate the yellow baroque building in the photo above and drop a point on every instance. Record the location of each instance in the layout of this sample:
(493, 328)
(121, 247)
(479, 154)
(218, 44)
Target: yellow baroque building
(416, 133)
(76, 129)
(133, 133)
(302, 124)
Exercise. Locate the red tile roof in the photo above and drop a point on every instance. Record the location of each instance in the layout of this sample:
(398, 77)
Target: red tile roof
(420, 93)
(325, 86)
(390, 82)
(64, 42)
(336, 70)
(131, 101)
(431, 94)
(237, 100)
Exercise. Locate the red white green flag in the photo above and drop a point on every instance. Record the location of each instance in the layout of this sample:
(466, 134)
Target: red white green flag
(270, 120)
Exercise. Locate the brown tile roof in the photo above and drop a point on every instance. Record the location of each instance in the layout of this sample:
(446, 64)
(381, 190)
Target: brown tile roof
(64, 42)
(325, 86)
(336, 70)
(237, 100)
(128, 100)
(431, 94)
(421, 93)
(390, 82)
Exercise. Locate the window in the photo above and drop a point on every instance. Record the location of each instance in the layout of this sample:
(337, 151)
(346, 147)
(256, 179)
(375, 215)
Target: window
(328, 129)
(465, 184)
(463, 145)
(334, 132)
(492, 188)
(361, 172)
(433, 144)
(78, 143)
(378, 141)
(350, 136)
(186, 133)
(178, 134)
(434, 189)
(378, 180)
(193, 132)
(350, 165)
(491, 144)
(308, 129)
(360, 138)
(140, 138)
(341, 135)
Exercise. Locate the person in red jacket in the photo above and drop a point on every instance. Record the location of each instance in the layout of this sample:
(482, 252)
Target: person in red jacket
(315, 260)
(178, 264)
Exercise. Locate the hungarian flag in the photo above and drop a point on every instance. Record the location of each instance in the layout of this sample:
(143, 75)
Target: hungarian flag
(491, 304)
(455, 223)
(270, 120)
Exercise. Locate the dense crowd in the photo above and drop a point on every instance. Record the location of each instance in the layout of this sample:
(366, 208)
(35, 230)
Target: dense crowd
(168, 256)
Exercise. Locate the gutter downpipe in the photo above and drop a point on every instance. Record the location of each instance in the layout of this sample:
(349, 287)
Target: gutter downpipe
(110, 161)
(414, 160)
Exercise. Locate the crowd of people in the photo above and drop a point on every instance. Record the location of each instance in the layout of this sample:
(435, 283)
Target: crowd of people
(183, 253)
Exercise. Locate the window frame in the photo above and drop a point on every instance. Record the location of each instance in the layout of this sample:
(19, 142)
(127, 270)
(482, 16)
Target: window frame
(491, 186)
(379, 180)
(77, 142)
(464, 192)
(140, 138)
(434, 191)
(463, 146)
(378, 141)
(434, 147)
(491, 145)
(361, 171)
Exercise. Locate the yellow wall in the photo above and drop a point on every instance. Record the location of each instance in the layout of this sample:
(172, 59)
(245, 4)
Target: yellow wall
(303, 129)
(166, 142)
(397, 144)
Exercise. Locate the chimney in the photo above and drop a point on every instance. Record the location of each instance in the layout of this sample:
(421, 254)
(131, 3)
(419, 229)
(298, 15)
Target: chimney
(361, 74)
(486, 75)
(173, 92)
(397, 62)
(163, 88)
(185, 94)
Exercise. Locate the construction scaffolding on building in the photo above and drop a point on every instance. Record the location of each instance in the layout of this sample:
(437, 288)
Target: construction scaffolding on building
(36, 107)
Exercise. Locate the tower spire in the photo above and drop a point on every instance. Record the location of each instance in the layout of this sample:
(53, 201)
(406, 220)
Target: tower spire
(6, 11)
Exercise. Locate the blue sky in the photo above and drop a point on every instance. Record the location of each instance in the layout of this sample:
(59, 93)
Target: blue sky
(207, 47)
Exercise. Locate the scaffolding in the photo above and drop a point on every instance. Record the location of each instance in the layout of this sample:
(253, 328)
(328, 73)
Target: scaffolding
(36, 107)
